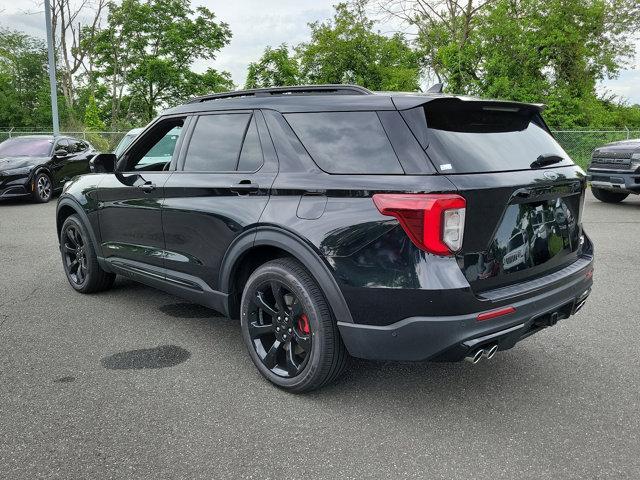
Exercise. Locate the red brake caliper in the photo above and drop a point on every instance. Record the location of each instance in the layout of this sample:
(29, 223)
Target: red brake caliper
(303, 324)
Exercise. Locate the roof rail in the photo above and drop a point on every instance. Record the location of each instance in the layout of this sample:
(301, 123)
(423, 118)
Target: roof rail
(296, 90)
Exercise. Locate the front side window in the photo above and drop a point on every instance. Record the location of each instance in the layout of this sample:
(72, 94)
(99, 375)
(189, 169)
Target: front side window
(216, 143)
(63, 145)
(154, 151)
(77, 146)
(346, 142)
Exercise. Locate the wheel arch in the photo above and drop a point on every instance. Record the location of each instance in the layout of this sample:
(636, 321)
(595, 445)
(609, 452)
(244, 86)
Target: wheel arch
(267, 243)
(37, 171)
(67, 207)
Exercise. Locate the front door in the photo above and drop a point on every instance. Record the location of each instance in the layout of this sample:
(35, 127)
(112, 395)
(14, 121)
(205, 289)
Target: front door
(220, 189)
(130, 201)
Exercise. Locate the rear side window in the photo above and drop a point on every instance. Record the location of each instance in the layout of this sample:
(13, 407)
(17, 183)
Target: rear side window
(471, 137)
(216, 143)
(346, 142)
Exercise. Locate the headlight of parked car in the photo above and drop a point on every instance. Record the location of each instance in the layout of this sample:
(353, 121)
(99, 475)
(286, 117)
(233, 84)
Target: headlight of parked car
(635, 161)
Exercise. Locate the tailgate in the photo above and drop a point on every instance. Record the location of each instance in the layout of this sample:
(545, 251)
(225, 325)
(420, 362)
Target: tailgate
(520, 225)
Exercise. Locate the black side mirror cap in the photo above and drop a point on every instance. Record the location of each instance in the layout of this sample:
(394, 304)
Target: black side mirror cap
(103, 163)
(60, 153)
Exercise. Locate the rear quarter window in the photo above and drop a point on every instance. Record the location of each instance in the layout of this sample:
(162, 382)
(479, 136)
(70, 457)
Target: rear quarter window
(346, 142)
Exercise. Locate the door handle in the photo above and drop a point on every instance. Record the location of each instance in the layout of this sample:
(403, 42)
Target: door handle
(147, 187)
(244, 187)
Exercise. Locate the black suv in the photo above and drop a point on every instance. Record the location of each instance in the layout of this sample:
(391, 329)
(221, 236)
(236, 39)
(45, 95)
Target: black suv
(614, 171)
(334, 221)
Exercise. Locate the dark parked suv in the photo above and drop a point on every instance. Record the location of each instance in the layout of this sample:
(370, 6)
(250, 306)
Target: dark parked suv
(614, 171)
(333, 221)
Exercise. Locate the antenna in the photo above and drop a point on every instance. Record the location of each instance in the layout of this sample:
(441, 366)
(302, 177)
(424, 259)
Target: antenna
(436, 88)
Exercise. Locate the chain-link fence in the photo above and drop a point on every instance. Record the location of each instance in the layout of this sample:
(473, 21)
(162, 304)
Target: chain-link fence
(578, 143)
(104, 141)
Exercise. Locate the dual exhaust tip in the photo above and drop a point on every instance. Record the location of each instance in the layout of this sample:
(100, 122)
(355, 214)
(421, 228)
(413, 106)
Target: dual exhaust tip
(488, 352)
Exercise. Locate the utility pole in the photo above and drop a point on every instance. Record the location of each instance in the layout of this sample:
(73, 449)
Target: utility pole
(52, 70)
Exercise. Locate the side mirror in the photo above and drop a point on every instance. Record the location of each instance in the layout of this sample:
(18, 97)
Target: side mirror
(61, 153)
(103, 163)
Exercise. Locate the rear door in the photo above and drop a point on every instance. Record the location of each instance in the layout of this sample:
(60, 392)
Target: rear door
(219, 190)
(524, 194)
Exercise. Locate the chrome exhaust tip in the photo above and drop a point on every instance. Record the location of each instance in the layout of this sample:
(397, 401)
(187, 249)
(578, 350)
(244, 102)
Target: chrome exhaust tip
(490, 352)
(475, 358)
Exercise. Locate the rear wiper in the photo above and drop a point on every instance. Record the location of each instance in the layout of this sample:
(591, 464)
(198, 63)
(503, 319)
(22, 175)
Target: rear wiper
(546, 159)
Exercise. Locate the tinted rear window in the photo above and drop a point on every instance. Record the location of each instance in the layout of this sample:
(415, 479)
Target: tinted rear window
(476, 137)
(346, 142)
(216, 142)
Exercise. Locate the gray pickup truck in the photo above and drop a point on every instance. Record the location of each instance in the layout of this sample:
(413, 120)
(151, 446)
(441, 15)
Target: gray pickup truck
(614, 171)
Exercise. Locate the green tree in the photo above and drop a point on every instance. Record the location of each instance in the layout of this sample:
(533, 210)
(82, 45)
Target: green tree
(551, 51)
(348, 50)
(24, 85)
(92, 119)
(275, 68)
(146, 52)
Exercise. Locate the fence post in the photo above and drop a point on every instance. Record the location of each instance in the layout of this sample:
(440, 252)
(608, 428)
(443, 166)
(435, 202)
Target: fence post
(11, 130)
(628, 132)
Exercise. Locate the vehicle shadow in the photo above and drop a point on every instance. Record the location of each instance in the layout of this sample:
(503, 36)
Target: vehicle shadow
(528, 373)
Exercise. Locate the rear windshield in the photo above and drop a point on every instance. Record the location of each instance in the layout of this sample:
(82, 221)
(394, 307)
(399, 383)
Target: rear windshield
(470, 137)
(26, 147)
(346, 142)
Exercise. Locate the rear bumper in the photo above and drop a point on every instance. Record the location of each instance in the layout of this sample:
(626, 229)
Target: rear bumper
(616, 181)
(451, 338)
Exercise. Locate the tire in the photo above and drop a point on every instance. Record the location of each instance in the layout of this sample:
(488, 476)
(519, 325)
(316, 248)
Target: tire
(608, 196)
(309, 352)
(79, 259)
(42, 188)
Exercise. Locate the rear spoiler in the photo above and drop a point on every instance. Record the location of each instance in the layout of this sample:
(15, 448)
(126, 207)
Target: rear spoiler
(409, 101)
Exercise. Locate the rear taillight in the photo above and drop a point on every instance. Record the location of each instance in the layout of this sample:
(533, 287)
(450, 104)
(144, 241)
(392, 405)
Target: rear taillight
(434, 222)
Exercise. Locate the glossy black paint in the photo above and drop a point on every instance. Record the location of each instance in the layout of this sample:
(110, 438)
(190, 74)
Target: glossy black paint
(17, 174)
(195, 233)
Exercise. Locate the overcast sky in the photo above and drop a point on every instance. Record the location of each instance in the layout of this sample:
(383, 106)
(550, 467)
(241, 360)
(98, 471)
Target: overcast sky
(257, 23)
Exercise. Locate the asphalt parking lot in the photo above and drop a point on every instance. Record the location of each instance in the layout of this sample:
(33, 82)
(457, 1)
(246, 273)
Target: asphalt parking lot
(564, 403)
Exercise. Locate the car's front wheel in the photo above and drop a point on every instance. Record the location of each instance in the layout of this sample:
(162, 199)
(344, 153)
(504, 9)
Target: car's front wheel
(79, 259)
(42, 188)
(608, 196)
(288, 327)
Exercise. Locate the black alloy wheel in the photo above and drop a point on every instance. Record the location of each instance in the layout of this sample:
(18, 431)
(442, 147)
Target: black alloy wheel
(289, 329)
(43, 188)
(279, 329)
(80, 260)
(608, 196)
(74, 255)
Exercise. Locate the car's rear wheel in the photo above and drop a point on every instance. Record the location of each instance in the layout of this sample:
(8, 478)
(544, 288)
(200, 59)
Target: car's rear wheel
(42, 188)
(79, 259)
(608, 196)
(288, 327)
